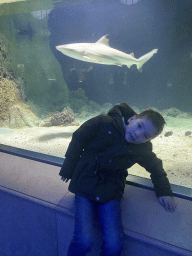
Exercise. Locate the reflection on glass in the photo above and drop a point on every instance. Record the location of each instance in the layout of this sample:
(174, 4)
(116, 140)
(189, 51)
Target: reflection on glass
(45, 95)
(9, 1)
(128, 2)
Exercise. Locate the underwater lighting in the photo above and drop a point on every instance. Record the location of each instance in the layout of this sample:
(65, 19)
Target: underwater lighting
(9, 1)
(129, 2)
(40, 15)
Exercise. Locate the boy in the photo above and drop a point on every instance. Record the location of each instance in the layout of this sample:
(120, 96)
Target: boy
(96, 161)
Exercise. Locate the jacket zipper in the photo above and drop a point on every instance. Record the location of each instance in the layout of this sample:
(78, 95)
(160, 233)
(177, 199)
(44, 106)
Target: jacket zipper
(96, 168)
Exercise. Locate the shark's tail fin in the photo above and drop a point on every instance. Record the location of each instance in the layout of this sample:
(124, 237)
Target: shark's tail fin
(145, 58)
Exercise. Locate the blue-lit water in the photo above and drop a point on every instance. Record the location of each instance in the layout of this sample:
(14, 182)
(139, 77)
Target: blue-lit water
(39, 84)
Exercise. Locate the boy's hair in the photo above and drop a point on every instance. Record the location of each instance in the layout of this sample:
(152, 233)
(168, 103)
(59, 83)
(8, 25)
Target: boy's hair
(155, 117)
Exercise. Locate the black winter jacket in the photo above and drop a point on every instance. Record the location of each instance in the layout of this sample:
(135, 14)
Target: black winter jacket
(98, 157)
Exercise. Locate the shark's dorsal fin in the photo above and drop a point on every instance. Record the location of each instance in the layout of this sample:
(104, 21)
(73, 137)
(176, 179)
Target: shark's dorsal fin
(132, 54)
(104, 40)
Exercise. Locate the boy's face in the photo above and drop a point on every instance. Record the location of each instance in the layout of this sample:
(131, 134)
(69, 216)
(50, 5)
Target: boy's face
(139, 130)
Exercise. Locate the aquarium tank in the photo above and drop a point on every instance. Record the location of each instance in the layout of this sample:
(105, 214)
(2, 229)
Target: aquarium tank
(64, 62)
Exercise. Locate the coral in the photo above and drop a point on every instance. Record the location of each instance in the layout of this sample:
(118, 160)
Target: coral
(13, 112)
(64, 118)
(95, 106)
(41, 73)
(20, 116)
(184, 115)
(5, 67)
(77, 104)
(2, 71)
(172, 112)
(77, 99)
(80, 103)
(4, 53)
(78, 94)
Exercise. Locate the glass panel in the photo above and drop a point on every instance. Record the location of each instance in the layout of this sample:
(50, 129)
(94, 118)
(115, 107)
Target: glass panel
(46, 93)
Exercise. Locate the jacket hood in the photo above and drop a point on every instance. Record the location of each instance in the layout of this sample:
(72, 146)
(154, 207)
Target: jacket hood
(118, 112)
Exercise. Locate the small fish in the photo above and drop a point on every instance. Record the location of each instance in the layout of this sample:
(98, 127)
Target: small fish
(169, 133)
(20, 66)
(28, 32)
(187, 133)
(169, 83)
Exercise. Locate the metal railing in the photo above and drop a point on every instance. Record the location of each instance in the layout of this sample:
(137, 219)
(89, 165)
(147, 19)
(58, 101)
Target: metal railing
(178, 191)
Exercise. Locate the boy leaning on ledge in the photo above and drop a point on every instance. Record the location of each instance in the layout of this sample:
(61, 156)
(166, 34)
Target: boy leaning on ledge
(97, 159)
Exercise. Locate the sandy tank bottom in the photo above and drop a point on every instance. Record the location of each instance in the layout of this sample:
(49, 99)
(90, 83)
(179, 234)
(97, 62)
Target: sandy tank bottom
(174, 150)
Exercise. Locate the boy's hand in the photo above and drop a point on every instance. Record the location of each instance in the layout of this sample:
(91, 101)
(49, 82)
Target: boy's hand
(64, 179)
(168, 203)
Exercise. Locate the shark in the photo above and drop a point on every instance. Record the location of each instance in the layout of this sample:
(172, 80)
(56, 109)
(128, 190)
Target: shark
(100, 52)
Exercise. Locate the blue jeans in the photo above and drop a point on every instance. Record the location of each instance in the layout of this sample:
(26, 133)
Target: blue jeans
(109, 216)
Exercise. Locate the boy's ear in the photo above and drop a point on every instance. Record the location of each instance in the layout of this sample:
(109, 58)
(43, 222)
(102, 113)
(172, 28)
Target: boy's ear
(131, 118)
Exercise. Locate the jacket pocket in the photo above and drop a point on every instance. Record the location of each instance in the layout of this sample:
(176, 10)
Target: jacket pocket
(86, 185)
(108, 189)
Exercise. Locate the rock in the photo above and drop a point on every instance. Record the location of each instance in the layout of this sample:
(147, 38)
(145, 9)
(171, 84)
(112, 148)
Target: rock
(20, 116)
(169, 133)
(94, 106)
(64, 118)
(184, 115)
(13, 112)
(187, 133)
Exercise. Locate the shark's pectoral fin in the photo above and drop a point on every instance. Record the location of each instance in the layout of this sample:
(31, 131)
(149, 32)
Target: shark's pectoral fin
(100, 58)
(86, 57)
(129, 65)
(92, 58)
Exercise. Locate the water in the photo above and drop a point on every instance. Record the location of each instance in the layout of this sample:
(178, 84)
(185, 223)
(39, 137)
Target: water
(37, 80)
